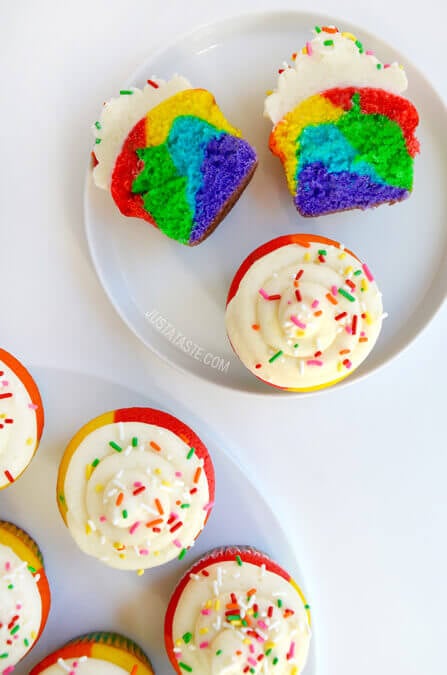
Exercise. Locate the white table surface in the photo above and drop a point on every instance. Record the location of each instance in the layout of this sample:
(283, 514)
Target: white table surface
(358, 475)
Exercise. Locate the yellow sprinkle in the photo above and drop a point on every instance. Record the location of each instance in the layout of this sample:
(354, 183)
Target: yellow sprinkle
(294, 671)
(209, 604)
(99, 487)
(29, 441)
(117, 545)
(178, 643)
(270, 645)
(2, 416)
(368, 318)
(88, 471)
(247, 641)
(342, 255)
(304, 50)
(156, 552)
(300, 333)
(269, 92)
(339, 366)
(349, 270)
(140, 573)
(217, 604)
(157, 471)
(88, 529)
(122, 556)
(307, 256)
(33, 635)
(166, 483)
(203, 631)
(364, 285)
(350, 36)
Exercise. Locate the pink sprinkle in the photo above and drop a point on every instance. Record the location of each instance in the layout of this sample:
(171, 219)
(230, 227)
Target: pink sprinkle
(309, 48)
(5, 383)
(203, 645)
(134, 527)
(177, 543)
(387, 65)
(138, 484)
(251, 648)
(206, 612)
(362, 333)
(262, 625)
(208, 506)
(297, 322)
(348, 329)
(260, 639)
(314, 362)
(75, 664)
(32, 406)
(347, 363)
(289, 302)
(144, 551)
(178, 474)
(72, 672)
(264, 294)
(8, 670)
(334, 290)
(102, 519)
(367, 271)
(18, 606)
(252, 661)
(315, 304)
(291, 653)
(369, 52)
(7, 566)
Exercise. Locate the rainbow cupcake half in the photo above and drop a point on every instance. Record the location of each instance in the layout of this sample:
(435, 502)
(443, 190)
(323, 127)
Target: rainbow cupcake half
(343, 147)
(179, 165)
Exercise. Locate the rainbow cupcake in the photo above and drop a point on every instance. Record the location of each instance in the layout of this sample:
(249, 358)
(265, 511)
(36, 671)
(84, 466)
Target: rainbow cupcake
(303, 312)
(135, 488)
(344, 134)
(237, 611)
(168, 155)
(24, 595)
(21, 418)
(101, 653)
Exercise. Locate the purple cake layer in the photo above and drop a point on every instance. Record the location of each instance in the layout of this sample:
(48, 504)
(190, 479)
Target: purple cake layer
(228, 161)
(320, 191)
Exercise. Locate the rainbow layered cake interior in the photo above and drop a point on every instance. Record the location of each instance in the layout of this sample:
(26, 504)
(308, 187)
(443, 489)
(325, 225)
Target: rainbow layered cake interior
(303, 312)
(342, 129)
(100, 653)
(237, 611)
(135, 488)
(21, 418)
(24, 595)
(168, 155)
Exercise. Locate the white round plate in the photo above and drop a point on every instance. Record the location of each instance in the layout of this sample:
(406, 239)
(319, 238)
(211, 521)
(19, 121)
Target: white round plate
(164, 290)
(87, 595)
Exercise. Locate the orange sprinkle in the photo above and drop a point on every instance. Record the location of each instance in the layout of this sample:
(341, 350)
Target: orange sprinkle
(329, 29)
(197, 474)
(256, 326)
(238, 653)
(232, 605)
(119, 499)
(155, 446)
(303, 244)
(159, 507)
(345, 351)
(363, 339)
(152, 523)
(134, 670)
(319, 313)
(251, 592)
(293, 56)
(331, 298)
(296, 284)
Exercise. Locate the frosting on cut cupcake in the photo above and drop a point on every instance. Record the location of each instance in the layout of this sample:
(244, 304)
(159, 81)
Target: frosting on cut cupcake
(84, 665)
(331, 59)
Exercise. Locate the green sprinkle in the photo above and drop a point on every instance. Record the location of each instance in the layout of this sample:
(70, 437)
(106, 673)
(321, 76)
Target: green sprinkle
(190, 453)
(10, 587)
(379, 65)
(275, 356)
(268, 652)
(359, 44)
(244, 622)
(185, 506)
(252, 670)
(126, 92)
(98, 125)
(134, 442)
(61, 498)
(346, 295)
(317, 29)
(125, 514)
(239, 560)
(234, 617)
(182, 553)
(296, 346)
(97, 141)
(219, 652)
(4, 656)
(187, 637)
(357, 272)
(306, 606)
(26, 642)
(275, 660)
(115, 446)
(255, 614)
(95, 462)
(185, 667)
(15, 630)
(279, 602)
(361, 51)
(322, 251)
(32, 569)
(328, 43)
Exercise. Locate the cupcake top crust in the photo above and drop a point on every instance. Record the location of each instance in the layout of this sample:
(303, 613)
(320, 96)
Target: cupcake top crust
(331, 59)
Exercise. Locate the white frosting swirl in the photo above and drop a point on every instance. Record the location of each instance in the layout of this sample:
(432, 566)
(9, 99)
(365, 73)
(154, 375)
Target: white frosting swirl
(84, 665)
(120, 115)
(317, 328)
(20, 608)
(139, 506)
(18, 426)
(271, 636)
(324, 66)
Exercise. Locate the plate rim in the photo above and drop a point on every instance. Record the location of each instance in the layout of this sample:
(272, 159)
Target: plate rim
(248, 17)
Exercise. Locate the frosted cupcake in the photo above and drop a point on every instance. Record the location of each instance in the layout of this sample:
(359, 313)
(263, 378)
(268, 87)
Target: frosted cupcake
(21, 418)
(168, 155)
(24, 595)
(303, 312)
(342, 130)
(101, 653)
(135, 488)
(237, 611)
